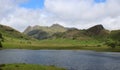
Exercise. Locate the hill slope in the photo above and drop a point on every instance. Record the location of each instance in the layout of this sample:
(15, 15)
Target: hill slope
(7, 31)
(115, 35)
(97, 31)
(52, 29)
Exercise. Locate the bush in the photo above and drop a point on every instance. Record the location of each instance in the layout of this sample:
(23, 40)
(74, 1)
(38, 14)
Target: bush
(1, 39)
(111, 43)
(98, 45)
(0, 45)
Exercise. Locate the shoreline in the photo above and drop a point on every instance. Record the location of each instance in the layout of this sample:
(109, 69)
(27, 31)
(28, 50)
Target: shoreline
(83, 49)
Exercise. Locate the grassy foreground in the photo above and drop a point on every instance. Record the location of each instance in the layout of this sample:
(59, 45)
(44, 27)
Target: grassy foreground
(27, 67)
(57, 44)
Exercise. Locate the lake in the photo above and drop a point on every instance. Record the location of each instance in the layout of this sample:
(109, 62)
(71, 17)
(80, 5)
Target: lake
(69, 59)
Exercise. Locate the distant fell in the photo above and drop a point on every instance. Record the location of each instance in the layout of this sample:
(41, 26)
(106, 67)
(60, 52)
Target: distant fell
(97, 30)
(43, 32)
(52, 29)
(38, 34)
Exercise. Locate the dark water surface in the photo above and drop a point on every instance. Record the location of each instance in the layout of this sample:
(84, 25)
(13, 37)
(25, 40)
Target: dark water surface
(69, 59)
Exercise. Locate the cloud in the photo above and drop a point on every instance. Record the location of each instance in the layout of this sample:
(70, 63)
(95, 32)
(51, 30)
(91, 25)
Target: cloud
(70, 13)
(112, 23)
(86, 12)
(83, 9)
(5, 8)
(8, 6)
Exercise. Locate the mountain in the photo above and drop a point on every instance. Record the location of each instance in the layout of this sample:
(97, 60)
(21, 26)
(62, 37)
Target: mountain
(52, 29)
(75, 34)
(28, 29)
(7, 31)
(38, 34)
(43, 32)
(97, 31)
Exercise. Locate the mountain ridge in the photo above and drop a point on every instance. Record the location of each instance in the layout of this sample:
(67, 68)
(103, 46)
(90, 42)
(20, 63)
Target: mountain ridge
(58, 31)
(52, 29)
(94, 32)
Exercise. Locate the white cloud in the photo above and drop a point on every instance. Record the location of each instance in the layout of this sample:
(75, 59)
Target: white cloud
(83, 9)
(70, 13)
(86, 12)
(112, 23)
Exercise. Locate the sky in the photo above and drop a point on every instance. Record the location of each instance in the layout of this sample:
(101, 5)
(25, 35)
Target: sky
(33, 4)
(81, 14)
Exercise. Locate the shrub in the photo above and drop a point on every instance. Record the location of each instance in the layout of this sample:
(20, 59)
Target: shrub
(0, 45)
(111, 43)
(98, 45)
(1, 39)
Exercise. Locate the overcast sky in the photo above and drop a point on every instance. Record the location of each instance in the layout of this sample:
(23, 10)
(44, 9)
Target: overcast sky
(70, 13)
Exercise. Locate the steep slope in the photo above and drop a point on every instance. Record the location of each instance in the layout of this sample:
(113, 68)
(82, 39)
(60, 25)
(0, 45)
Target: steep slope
(43, 32)
(7, 31)
(38, 34)
(28, 29)
(76, 34)
(97, 32)
(52, 29)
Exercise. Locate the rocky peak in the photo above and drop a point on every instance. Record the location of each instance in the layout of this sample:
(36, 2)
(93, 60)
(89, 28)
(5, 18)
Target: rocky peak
(96, 27)
(52, 29)
(57, 26)
(29, 28)
(95, 30)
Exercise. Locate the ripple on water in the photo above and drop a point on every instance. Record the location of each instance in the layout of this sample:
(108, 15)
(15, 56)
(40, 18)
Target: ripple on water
(70, 59)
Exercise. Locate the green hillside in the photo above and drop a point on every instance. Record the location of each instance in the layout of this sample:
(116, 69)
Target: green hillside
(71, 39)
(58, 31)
(97, 32)
(73, 34)
(7, 31)
(115, 35)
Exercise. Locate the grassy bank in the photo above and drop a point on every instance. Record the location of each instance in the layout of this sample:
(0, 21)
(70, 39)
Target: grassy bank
(58, 44)
(27, 67)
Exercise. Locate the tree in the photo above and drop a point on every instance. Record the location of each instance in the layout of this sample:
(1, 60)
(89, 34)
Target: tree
(1, 39)
(0, 45)
(111, 43)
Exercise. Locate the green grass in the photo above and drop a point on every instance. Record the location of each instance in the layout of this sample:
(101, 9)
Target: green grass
(57, 44)
(27, 67)
(54, 43)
